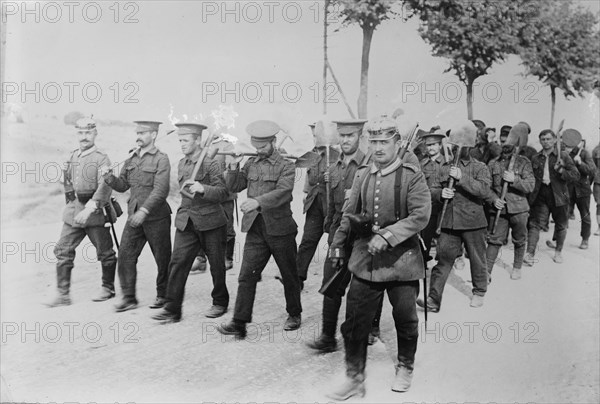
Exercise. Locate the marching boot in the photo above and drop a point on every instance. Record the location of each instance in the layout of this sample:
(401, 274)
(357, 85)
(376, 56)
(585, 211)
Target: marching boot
(354, 385)
(63, 282)
(403, 379)
(199, 265)
(108, 282)
(515, 274)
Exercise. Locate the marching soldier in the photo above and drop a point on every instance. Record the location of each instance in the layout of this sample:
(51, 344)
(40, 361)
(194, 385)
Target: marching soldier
(146, 173)
(200, 223)
(580, 192)
(550, 195)
(199, 265)
(391, 201)
(268, 221)
(315, 205)
(431, 165)
(340, 175)
(464, 223)
(514, 207)
(596, 158)
(87, 196)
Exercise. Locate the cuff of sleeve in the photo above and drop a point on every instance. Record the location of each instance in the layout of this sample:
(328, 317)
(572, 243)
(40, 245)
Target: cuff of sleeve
(91, 204)
(146, 211)
(389, 237)
(335, 252)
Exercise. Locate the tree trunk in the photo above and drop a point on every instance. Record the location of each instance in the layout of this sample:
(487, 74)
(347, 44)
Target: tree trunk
(553, 105)
(364, 72)
(469, 85)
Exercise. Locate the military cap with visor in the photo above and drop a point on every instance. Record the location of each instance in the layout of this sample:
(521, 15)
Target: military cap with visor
(146, 126)
(347, 126)
(190, 128)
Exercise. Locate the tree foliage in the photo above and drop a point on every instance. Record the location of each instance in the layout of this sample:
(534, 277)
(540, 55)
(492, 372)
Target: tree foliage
(472, 35)
(561, 48)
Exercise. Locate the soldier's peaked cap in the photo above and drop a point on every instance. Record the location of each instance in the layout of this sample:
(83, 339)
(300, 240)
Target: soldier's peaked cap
(147, 126)
(262, 131)
(347, 126)
(190, 128)
(85, 123)
(571, 137)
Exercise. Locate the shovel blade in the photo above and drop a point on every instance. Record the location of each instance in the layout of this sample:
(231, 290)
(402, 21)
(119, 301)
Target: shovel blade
(308, 159)
(463, 134)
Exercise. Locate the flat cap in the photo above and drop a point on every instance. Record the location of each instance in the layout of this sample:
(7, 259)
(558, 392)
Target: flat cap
(190, 128)
(347, 126)
(146, 126)
(571, 137)
(85, 123)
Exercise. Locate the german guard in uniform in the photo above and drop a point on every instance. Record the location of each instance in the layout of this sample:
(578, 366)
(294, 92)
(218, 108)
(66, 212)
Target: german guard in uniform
(146, 173)
(268, 221)
(514, 208)
(87, 196)
(389, 205)
(200, 223)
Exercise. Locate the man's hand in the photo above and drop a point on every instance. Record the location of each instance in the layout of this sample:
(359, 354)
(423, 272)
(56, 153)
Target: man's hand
(137, 218)
(499, 204)
(194, 186)
(234, 160)
(577, 159)
(455, 173)
(326, 176)
(559, 166)
(249, 205)
(447, 193)
(105, 171)
(508, 176)
(83, 216)
(337, 262)
(377, 244)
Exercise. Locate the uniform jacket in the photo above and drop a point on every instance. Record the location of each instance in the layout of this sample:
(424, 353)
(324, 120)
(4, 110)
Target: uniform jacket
(558, 182)
(587, 170)
(486, 152)
(315, 181)
(372, 195)
(431, 169)
(465, 211)
(204, 210)
(83, 173)
(341, 176)
(516, 194)
(270, 181)
(222, 145)
(148, 178)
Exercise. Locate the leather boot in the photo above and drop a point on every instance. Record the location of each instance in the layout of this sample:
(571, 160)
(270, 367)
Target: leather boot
(323, 344)
(354, 385)
(403, 379)
(515, 274)
(199, 265)
(234, 327)
(349, 388)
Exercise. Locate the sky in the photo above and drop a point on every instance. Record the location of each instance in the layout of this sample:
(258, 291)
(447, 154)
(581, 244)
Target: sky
(146, 60)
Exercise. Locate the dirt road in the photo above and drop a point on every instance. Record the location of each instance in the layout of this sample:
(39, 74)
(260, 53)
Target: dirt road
(534, 340)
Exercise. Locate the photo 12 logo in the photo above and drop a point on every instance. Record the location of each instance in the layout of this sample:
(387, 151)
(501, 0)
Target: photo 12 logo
(70, 91)
(53, 12)
(269, 91)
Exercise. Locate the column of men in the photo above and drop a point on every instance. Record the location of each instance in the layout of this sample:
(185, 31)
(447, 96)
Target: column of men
(395, 201)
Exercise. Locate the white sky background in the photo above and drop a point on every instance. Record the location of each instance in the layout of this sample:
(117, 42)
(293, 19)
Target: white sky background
(176, 48)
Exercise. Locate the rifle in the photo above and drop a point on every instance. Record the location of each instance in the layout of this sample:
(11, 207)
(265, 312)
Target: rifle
(438, 231)
(201, 158)
(359, 226)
